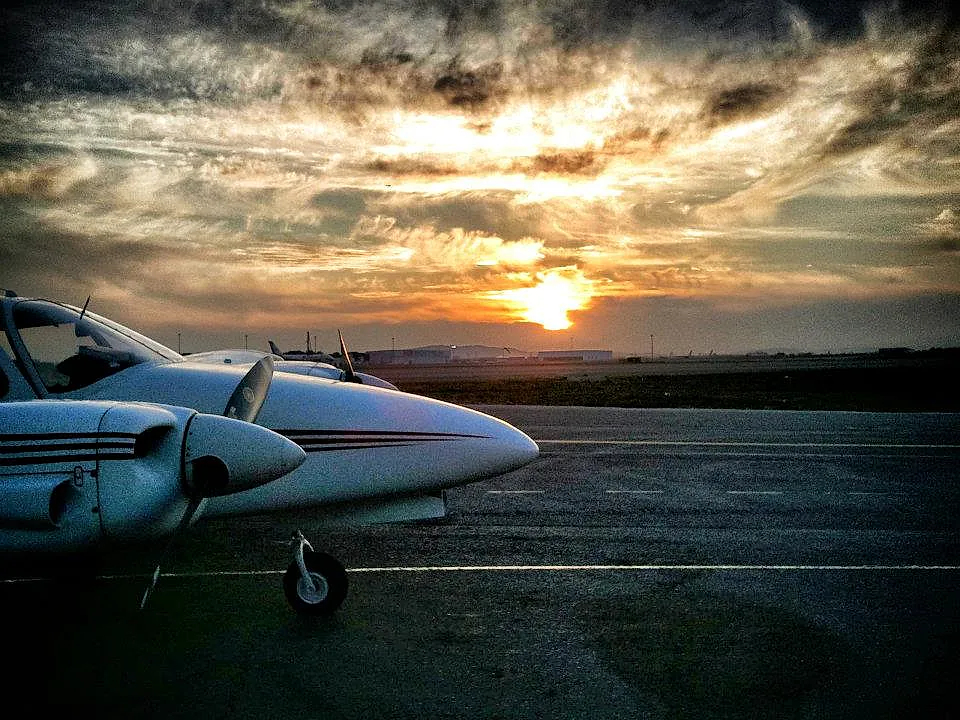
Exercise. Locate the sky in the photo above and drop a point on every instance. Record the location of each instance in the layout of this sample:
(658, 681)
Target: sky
(654, 176)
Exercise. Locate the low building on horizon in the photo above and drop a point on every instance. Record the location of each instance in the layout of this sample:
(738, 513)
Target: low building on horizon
(575, 355)
(472, 354)
(438, 355)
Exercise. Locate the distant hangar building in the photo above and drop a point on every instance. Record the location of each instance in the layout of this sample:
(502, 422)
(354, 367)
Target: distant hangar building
(576, 355)
(412, 356)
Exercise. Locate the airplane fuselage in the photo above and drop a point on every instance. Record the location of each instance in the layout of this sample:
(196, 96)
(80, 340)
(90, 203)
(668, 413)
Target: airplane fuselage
(360, 441)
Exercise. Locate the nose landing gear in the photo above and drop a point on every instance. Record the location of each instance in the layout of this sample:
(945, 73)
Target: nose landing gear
(315, 583)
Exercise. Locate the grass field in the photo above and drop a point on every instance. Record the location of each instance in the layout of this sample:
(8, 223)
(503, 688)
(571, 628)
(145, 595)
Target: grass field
(924, 387)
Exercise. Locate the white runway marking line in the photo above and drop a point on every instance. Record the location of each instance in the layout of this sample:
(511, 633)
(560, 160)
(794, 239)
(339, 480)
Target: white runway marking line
(642, 568)
(536, 568)
(516, 492)
(634, 492)
(713, 443)
(754, 492)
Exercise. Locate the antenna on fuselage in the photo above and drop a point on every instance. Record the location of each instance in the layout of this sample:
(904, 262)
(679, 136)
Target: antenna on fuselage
(84, 310)
(348, 374)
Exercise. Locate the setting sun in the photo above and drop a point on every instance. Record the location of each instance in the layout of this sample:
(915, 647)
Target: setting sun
(547, 303)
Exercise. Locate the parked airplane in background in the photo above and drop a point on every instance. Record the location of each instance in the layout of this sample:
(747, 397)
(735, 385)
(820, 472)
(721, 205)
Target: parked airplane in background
(372, 454)
(310, 354)
(319, 364)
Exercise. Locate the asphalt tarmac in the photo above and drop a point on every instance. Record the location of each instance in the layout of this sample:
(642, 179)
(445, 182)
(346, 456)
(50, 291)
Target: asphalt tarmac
(651, 564)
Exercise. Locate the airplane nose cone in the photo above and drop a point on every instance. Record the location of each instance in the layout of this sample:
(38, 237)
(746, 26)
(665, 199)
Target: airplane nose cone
(496, 448)
(518, 449)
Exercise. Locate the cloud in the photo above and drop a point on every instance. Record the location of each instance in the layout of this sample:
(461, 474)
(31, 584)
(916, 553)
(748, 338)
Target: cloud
(426, 248)
(46, 181)
(946, 223)
(944, 231)
(742, 101)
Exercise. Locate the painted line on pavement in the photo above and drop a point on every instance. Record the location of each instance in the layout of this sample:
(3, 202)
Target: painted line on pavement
(583, 568)
(515, 492)
(538, 568)
(707, 443)
(633, 492)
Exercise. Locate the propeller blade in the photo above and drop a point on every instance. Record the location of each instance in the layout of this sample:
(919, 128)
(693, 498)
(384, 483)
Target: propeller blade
(348, 373)
(165, 555)
(248, 397)
(255, 456)
(209, 475)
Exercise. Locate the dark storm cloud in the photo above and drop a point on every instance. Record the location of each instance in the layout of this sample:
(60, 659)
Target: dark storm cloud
(121, 48)
(947, 245)
(574, 162)
(742, 101)
(423, 48)
(412, 166)
(467, 87)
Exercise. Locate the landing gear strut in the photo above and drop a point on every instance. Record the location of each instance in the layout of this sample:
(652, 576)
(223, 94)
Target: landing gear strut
(315, 583)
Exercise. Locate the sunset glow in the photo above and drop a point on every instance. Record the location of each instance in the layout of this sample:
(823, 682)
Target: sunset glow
(549, 302)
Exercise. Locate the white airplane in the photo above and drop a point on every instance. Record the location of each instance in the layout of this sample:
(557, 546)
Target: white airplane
(371, 453)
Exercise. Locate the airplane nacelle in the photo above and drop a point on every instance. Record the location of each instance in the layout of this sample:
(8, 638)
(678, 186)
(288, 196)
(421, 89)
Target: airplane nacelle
(102, 467)
(75, 475)
(34, 501)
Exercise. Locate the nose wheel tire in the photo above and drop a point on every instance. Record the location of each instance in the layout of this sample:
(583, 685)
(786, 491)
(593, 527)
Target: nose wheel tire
(324, 592)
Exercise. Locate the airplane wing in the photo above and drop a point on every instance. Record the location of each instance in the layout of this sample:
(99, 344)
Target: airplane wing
(311, 368)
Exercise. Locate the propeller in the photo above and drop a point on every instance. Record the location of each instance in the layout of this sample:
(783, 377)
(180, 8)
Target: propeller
(206, 475)
(248, 397)
(348, 373)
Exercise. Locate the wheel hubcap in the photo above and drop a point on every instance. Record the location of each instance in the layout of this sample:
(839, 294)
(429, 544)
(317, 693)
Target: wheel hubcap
(316, 594)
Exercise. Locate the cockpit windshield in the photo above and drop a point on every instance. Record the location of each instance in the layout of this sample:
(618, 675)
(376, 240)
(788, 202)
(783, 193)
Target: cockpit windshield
(71, 350)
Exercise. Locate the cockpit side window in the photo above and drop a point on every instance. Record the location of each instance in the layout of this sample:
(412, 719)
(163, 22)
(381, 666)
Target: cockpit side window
(70, 351)
(12, 384)
(50, 346)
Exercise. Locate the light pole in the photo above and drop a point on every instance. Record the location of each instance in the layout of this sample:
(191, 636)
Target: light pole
(651, 346)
